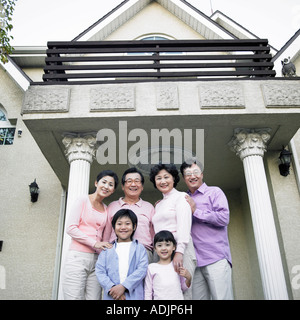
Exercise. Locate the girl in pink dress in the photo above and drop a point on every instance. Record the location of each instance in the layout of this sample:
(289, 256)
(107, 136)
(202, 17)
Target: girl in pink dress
(162, 282)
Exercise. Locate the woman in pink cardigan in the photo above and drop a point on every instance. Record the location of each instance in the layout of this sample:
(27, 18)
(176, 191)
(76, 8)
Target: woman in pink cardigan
(86, 227)
(174, 214)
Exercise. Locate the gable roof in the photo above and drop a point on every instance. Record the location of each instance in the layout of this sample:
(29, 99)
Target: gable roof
(232, 26)
(217, 26)
(182, 9)
(290, 49)
(16, 73)
(235, 28)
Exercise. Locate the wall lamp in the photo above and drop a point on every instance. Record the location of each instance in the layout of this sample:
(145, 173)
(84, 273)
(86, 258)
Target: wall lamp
(285, 159)
(34, 191)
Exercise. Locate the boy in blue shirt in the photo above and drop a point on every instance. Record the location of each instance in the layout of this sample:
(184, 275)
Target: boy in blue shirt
(122, 269)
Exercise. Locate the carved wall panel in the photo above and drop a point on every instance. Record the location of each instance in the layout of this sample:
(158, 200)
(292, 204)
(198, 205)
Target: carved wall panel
(228, 95)
(112, 98)
(167, 97)
(280, 95)
(45, 100)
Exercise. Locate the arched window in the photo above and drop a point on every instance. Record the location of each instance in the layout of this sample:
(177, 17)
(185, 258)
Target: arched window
(154, 37)
(2, 116)
(7, 131)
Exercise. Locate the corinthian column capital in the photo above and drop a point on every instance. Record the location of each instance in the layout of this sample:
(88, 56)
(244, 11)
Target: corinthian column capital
(80, 146)
(249, 142)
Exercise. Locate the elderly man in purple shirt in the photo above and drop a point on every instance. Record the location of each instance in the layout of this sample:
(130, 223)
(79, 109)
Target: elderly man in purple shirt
(212, 278)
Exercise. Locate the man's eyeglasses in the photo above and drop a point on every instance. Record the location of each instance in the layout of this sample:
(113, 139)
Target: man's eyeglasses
(130, 181)
(195, 173)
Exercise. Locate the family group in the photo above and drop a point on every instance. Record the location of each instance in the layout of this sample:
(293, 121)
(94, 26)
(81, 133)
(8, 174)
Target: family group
(132, 250)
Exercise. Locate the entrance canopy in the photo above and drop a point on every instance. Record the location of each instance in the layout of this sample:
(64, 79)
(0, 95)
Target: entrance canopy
(126, 119)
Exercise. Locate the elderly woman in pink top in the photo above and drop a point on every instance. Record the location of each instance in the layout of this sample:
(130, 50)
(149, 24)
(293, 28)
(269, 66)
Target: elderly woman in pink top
(173, 213)
(86, 227)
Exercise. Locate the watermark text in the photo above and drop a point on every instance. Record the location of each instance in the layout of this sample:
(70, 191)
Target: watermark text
(296, 278)
(141, 148)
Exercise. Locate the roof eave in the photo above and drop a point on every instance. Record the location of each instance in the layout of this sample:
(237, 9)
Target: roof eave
(17, 74)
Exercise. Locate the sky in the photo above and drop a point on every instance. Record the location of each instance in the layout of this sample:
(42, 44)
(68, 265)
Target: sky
(38, 21)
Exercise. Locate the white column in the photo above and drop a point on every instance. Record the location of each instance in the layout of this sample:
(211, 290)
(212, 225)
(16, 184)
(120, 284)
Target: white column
(80, 152)
(250, 145)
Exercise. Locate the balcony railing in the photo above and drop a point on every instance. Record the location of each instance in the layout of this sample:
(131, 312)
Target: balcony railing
(156, 60)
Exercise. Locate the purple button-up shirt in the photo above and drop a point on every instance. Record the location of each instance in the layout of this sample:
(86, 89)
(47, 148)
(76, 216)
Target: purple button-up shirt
(209, 225)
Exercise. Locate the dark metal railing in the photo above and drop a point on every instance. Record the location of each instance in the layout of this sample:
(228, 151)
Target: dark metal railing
(127, 61)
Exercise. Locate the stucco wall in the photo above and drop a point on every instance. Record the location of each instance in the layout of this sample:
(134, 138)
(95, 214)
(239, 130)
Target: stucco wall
(286, 205)
(245, 271)
(154, 19)
(297, 65)
(29, 230)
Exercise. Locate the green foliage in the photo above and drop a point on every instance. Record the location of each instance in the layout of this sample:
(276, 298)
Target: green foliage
(6, 12)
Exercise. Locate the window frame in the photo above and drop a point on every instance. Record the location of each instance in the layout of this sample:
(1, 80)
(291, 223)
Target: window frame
(7, 130)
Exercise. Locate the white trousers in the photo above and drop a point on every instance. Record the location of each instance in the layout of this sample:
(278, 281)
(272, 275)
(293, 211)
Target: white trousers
(79, 280)
(189, 262)
(213, 282)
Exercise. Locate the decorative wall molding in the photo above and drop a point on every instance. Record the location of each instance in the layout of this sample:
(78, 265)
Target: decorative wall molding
(222, 96)
(112, 98)
(46, 100)
(281, 95)
(80, 147)
(249, 142)
(167, 97)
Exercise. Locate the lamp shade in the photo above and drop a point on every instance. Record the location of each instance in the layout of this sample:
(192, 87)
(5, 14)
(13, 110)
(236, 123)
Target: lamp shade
(34, 191)
(285, 159)
(285, 156)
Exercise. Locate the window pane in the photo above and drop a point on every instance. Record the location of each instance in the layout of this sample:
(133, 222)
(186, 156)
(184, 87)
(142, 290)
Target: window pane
(154, 38)
(2, 116)
(2, 135)
(7, 136)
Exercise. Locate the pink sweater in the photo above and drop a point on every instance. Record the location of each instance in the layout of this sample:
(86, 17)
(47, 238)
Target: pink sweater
(86, 225)
(174, 214)
(163, 283)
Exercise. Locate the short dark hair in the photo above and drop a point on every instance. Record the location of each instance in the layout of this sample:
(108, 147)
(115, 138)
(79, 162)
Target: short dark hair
(132, 170)
(167, 236)
(108, 173)
(171, 168)
(125, 213)
(189, 162)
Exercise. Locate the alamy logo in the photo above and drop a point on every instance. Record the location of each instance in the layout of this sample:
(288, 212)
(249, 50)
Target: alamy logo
(143, 149)
(296, 278)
